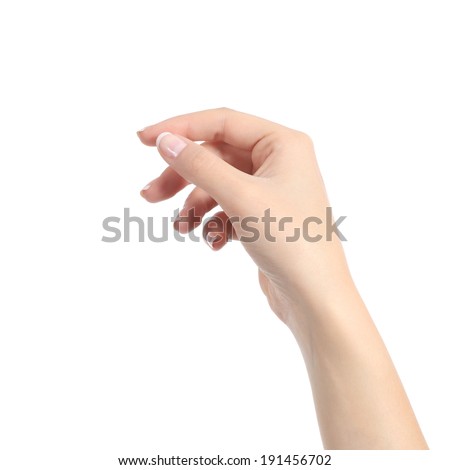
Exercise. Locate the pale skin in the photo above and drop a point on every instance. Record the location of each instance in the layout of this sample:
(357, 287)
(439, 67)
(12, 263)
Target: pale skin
(245, 165)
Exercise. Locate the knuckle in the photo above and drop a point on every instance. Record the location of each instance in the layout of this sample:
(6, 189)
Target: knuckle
(305, 138)
(288, 139)
(283, 140)
(224, 110)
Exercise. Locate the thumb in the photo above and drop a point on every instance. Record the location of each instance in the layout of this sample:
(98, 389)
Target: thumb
(201, 167)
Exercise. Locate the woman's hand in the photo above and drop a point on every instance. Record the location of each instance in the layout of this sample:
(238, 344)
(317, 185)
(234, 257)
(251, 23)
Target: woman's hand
(266, 179)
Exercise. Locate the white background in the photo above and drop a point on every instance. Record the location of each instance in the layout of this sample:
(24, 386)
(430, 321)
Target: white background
(134, 349)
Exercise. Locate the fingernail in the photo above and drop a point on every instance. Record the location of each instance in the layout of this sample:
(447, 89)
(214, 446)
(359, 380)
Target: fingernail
(170, 145)
(142, 130)
(211, 238)
(142, 193)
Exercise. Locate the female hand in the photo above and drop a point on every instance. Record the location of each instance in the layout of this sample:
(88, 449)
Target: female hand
(248, 166)
(266, 179)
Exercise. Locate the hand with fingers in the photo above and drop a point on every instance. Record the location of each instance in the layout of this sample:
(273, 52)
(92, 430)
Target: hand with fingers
(266, 180)
(249, 166)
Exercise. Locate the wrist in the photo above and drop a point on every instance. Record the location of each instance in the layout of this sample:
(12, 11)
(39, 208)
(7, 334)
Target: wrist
(333, 319)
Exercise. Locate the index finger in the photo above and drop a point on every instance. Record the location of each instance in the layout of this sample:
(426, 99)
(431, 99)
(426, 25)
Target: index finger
(238, 129)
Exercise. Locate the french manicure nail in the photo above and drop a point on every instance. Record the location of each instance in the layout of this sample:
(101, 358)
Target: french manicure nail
(158, 139)
(170, 145)
(142, 193)
(211, 238)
